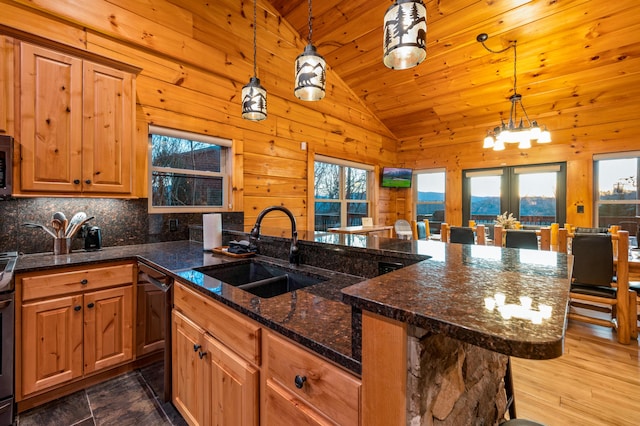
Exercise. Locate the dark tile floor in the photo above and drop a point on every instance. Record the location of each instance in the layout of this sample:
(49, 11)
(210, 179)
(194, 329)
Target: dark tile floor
(130, 399)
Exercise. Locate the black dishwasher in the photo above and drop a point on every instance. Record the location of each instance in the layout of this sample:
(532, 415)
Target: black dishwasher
(153, 322)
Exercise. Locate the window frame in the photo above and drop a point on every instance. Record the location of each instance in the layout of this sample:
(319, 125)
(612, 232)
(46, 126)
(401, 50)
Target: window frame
(414, 185)
(597, 202)
(225, 173)
(342, 200)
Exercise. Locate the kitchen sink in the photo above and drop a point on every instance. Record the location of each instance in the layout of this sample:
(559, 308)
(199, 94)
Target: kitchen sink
(260, 278)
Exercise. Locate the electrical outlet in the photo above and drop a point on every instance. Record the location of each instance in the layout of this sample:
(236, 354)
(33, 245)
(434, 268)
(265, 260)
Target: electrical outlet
(580, 209)
(173, 225)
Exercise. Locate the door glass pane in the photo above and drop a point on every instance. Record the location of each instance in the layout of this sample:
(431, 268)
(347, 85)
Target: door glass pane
(618, 194)
(326, 181)
(327, 215)
(485, 198)
(429, 194)
(356, 180)
(537, 198)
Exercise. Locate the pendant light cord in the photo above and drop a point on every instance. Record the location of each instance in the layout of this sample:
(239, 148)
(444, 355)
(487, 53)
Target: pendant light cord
(254, 38)
(310, 26)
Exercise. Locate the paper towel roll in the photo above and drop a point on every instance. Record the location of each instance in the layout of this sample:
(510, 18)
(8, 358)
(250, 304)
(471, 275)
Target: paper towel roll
(211, 230)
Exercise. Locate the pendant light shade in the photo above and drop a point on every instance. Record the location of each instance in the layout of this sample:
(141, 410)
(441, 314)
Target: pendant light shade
(310, 71)
(405, 34)
(254, 96)
(254, 101)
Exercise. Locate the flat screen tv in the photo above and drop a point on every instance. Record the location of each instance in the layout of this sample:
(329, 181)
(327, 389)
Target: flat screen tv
(396, 177)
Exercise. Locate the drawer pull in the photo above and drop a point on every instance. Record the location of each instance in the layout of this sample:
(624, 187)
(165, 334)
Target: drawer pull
(90, 305)
(84, 281)
(196, 347)
(299, 381)
(202, 354)
(77, 308)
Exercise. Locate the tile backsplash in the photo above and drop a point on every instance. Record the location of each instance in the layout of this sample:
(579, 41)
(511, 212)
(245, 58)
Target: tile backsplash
(122, 222)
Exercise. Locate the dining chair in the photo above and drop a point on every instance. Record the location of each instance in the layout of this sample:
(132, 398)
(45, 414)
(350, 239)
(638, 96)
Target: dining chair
(595, 284)
(403, 229)
(461, 235)
(420, 230)
(521, 239)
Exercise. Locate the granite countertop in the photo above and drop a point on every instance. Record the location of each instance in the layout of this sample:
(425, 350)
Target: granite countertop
(447, 293)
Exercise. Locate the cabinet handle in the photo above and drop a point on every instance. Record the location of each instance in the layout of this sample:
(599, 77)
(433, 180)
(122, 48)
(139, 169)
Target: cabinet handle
(90, 305)
(88, 181)
(77, 308)
(299, 381)
(76, 181)
(202, 354)
(196, 347)
(84, 281)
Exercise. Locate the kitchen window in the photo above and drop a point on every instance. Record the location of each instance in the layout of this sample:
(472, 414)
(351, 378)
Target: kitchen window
(341, 192)
(190, 172)
(616, 190)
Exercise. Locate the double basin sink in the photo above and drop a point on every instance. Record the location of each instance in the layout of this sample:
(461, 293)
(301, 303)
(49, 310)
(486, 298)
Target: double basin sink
(255, 276)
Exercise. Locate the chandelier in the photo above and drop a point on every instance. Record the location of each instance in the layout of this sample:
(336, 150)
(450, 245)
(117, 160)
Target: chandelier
(404, 34)
(254, 96)
(526, 131)
(310, 71)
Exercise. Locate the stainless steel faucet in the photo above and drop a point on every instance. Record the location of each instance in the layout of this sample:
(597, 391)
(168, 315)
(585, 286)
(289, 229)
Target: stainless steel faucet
(254, 236)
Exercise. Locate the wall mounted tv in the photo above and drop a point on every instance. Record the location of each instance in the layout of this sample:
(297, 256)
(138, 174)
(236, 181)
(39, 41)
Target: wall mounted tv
(396, 177)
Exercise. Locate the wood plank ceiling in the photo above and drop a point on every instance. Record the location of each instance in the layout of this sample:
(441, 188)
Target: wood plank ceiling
(577, 59)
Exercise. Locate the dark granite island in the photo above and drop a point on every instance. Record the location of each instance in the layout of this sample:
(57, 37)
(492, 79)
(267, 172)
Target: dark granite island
(436, 335)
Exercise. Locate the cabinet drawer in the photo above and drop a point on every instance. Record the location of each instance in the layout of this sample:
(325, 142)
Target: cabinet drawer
(61, 283)
(223, 323)
(332, 391)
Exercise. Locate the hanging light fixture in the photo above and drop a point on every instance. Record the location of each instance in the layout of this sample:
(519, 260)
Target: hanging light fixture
(405, 34)
(522, 133)
(254, 96)
(310, 71)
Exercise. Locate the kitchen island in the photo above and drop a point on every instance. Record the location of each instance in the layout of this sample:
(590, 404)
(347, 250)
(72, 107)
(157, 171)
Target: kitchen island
(473, 296)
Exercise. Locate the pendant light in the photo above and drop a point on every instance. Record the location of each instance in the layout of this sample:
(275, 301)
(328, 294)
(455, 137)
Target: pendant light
(522, 134)
(254, 96)
(405, 34)
(310, 71)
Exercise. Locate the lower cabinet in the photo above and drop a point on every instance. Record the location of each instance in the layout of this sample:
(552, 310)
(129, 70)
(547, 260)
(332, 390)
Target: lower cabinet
(211, 384)
(71, 324)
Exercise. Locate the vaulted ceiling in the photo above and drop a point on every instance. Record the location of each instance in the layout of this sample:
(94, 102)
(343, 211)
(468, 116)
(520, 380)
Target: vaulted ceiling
(577, 59)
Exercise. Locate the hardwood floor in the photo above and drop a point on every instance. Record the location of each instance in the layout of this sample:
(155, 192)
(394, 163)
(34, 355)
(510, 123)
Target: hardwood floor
(596, 381)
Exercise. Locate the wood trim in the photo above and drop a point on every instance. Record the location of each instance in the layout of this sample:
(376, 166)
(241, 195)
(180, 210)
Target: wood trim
(384, 371)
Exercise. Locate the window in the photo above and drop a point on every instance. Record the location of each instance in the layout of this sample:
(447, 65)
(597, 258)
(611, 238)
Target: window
(429, 193)
(616, 188)
(535, 195)
(189, 171)
(341, 192)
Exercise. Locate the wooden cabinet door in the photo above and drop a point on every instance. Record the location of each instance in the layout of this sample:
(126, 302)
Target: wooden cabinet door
(108, 129)
(108, 329)
(189, 370)
(6, 85)
(50, 120)
(233, 387)
(51, 343)
(150, 326)
(285, 408)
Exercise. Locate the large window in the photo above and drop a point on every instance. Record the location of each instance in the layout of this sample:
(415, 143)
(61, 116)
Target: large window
(616, 188)
(341, 192)
(535, 195)
(429, 190)
(189, 172)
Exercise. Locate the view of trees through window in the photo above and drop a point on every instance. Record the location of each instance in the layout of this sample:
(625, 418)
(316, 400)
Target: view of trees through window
(341, 195)
(617, 188)
(186, 173)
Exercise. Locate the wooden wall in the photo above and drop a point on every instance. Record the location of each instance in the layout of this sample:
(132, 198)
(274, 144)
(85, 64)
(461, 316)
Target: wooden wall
(195, 57)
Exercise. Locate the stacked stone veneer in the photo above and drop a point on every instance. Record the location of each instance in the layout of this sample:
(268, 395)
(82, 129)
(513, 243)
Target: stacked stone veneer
(450, 382)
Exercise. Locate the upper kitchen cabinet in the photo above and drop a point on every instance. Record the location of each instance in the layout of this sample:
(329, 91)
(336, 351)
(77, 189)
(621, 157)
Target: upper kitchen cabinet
(6, 85)
(76, 125)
